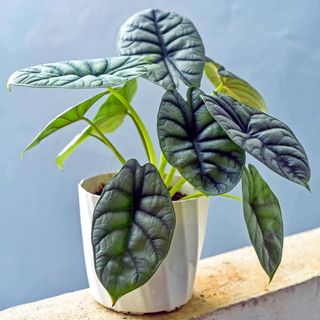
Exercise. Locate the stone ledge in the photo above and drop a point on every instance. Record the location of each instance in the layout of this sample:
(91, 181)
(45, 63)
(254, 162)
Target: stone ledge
(228, 286)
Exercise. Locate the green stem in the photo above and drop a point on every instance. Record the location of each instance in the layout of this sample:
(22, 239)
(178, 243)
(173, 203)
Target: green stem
(177, 186)
(219, 87)
(105, 140)
(145, 146)
(169, 176)
(193, 196)
(147, 142)
(162, 165)
(200, 194)
(231, 196)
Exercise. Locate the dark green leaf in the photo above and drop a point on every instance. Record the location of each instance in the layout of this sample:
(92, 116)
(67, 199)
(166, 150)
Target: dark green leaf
(108, 118)
(170, 40)
(83, 74)
(69, 116)
(194, 143)
(264, 137)
(233, 86)
(133, 225)
(263, 218)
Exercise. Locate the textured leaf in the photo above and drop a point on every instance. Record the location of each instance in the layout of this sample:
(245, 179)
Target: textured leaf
(66, 118)
(133, 224)
(264, 137)
(170, 40)
(108, 118)
(263, 218)
(194, 143)
(83, 74)
(233, 86)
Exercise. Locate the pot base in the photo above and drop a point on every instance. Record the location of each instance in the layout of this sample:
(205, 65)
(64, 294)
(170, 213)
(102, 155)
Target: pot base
(143, 313)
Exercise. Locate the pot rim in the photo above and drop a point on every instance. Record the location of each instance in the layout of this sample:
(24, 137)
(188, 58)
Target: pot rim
(80, 185)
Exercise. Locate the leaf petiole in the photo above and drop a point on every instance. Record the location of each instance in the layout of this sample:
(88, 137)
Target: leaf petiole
(193, 196)
(144, 135)
(169, 176)
(231, 196)
(200, 194)
(162, 165)
(219, 87)
(177, 186)
(104, 140)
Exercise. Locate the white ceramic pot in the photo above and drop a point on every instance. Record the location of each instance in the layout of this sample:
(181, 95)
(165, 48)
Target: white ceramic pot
(172, 284)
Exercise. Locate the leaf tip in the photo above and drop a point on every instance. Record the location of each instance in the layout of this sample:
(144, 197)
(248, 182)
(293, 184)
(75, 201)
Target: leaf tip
(114, 300)
(270, 278)
(307, 185)
(11, 81)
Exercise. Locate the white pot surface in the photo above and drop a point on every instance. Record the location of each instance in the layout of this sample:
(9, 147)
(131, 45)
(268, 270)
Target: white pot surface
(172, 284)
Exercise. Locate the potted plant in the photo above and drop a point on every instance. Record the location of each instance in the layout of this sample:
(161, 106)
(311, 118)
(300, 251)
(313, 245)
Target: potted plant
(143, 227)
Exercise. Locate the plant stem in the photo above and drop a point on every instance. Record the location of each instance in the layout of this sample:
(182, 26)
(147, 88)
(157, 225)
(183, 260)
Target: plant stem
(231, 196)
(219, 87)
(141, 136)
(200, 194)
(147, 142)
(162, 164)
(177, 186)
(105, 140)
(193, 196)
(169, 176)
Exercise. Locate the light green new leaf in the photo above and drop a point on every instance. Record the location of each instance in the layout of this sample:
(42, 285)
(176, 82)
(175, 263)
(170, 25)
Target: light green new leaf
(233, 86)
(211, 70)
(83, 74)
(132, 228)
(108, 118)
(263, 218)
(67, 117)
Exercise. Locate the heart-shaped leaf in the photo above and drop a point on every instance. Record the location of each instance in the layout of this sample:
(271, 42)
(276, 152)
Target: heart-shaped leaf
(263, 218)
(170, 40)
(83, 74)
(233, 86)
(194, 143)
(108, 118)
(133, 225)
(264, 137)
(66, 118)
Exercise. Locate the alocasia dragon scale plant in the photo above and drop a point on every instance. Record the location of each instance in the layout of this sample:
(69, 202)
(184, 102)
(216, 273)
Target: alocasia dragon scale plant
(204, 137)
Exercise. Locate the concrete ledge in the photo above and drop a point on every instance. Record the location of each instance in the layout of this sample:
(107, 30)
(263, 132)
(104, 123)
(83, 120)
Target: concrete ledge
(228, 286)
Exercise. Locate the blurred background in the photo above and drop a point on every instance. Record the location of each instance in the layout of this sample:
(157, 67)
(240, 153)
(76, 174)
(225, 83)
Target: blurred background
(275, 45)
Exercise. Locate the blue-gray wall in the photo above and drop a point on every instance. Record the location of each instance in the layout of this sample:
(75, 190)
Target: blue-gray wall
(273, 44)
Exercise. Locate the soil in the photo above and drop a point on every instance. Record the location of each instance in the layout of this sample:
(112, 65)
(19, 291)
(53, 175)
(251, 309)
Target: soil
(99, 189)
(176, 197)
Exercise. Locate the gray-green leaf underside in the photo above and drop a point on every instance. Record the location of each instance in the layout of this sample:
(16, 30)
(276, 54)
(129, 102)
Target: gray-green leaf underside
(108, 118)
(133, 224)
(170, 40)
(263, 218)
(194, 143)
(264, 137)
(83, 74)
(66, 118)
(233, 86)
